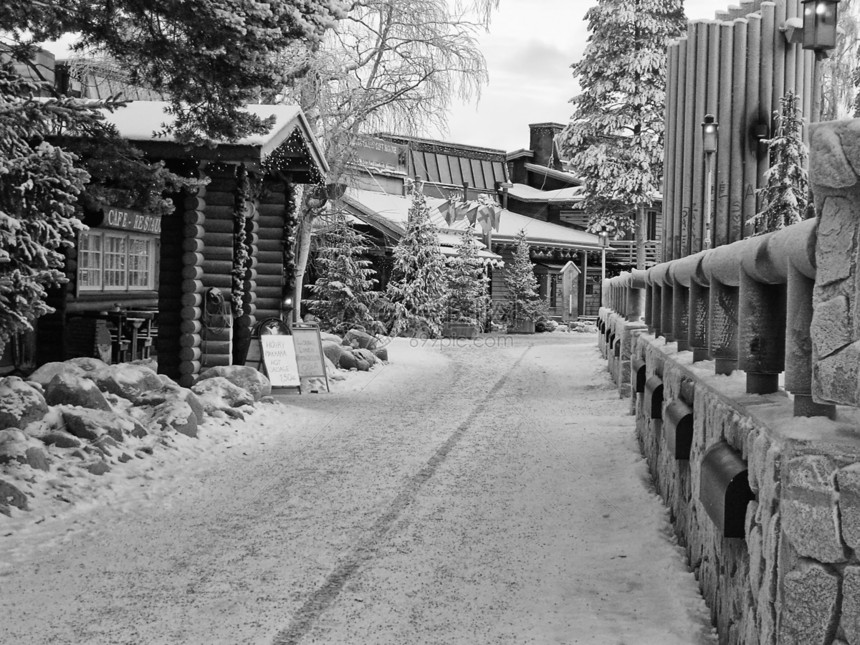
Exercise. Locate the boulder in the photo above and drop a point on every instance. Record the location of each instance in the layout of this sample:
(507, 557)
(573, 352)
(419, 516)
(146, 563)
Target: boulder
(88, 364)
(99, 467)
(20, 403)
(48, 371)
(60, 439)
(340, 355)
(218, 393)
(362, 365)
(92, 424)
(11, 496)
(176, 416)
(361, 339)
(68, 388)
(246, 377)
(17, 446)
(171, 391)
(365, 355)
(381, 353)
(125, 380)
(331, 371)
(332, 338)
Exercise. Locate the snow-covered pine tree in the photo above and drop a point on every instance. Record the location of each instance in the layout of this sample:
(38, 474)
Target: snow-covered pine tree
(615, 136)
(468, 284)
(344, 289)
(417, 289)
(521, 282)
(785, 196)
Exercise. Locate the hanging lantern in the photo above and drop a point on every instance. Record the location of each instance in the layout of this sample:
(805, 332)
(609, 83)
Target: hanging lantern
(819, 24)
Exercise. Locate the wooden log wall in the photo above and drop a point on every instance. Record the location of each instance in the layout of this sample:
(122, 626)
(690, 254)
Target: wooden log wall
(211, 248)
(737, 68)
(172, 273)
(269, 281)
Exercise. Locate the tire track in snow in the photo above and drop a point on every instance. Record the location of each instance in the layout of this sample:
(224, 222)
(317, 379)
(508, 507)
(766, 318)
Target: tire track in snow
(324, 596)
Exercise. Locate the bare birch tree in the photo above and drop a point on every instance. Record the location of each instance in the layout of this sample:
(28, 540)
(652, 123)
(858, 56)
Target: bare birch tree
(391, 65)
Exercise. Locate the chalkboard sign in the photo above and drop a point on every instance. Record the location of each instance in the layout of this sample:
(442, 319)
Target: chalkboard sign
(279, 360)
(309, 352)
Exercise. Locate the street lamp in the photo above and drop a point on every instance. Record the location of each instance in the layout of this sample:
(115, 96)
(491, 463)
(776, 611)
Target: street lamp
(819, 24)
(710, 130)
(603, 234)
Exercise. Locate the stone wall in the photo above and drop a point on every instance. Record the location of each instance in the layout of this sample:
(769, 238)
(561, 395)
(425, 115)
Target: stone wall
(795, 576)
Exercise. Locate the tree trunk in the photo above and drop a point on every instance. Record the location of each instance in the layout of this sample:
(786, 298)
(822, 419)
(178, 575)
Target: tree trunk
(303, 239)
(641, 236)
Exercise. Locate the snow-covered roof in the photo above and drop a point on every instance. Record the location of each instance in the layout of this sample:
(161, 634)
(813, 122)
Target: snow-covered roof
(560, 175)
(140, 121)
(393, 210)
(526, 193)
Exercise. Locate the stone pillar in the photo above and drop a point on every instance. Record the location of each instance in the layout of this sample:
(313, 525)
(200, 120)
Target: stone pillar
(835, 325)
(723, 332)
(697, 333)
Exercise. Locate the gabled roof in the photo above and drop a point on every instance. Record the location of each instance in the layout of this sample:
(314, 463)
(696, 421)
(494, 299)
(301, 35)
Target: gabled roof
(139, 121)
(391, 212)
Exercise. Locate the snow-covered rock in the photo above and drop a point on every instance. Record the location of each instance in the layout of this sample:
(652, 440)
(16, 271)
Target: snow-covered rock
(334, 338)
(125, 380)
(48, 371)
(11, 496)
(249, 379)
(69, 388)
(219, 394)
(20, 403)
(175, 415)
(381, 353)
(365, 355)
(17, 446)
(171, 391)
(92, 424)
(360, 339)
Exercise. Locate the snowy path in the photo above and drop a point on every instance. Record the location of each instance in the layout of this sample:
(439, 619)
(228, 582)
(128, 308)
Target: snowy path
(465, 495)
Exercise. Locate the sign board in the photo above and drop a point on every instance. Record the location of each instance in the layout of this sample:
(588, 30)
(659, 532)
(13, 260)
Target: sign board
(570, 290)
(309, 352)
(279, 360)
(128, 220)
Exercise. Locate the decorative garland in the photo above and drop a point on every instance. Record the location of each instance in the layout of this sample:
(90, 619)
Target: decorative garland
(291, 209)
(241, 252)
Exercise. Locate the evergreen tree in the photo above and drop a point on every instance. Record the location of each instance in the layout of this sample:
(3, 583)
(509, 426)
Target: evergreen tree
(468, 284)
(785, 196)
(520, 279)
(615, 136)
(416, 291)
(344, 289)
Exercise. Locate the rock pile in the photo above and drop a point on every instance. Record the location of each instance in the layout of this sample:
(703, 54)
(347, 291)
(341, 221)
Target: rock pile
(83, 413)
(357, 350)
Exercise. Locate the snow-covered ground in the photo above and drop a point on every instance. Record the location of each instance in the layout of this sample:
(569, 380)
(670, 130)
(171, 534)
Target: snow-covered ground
(461, 494)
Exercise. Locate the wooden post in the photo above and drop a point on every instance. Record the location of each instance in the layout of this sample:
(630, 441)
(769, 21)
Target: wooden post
(739, 130)
(753, 114)
(779, 52)
(689, 136)
(701, 107)
(680, 169)
(765, 89)
(724, 151)
(669, 158)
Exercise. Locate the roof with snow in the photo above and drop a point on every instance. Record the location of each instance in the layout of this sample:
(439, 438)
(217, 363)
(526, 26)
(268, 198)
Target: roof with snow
(389, 214)
(142, 121)
(526, 193)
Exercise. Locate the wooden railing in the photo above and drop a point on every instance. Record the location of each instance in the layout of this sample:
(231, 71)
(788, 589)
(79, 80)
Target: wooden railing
(625, 252)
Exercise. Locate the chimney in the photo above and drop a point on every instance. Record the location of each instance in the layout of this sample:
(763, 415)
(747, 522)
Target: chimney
(541, 143)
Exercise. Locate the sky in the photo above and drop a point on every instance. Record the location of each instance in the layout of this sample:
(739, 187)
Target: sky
(529, 49)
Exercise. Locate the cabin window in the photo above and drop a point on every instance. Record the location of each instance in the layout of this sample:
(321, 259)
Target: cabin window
(116, 261)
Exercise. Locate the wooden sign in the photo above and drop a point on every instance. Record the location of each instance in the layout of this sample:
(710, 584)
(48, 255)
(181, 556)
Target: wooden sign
(570, 291)
(309, 352)
(279, 360)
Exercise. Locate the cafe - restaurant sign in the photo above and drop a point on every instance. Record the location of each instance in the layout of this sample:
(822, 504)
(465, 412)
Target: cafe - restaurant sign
(129, 220)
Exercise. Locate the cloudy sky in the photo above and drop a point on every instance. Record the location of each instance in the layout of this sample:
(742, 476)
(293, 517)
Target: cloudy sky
(529, 50)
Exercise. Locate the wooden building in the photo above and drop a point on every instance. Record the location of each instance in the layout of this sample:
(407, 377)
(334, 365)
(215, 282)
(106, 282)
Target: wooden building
(214, 267)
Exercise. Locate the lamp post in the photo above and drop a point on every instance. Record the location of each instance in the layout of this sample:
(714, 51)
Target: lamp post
(604, 242)
(816, 31)
(710, 129)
